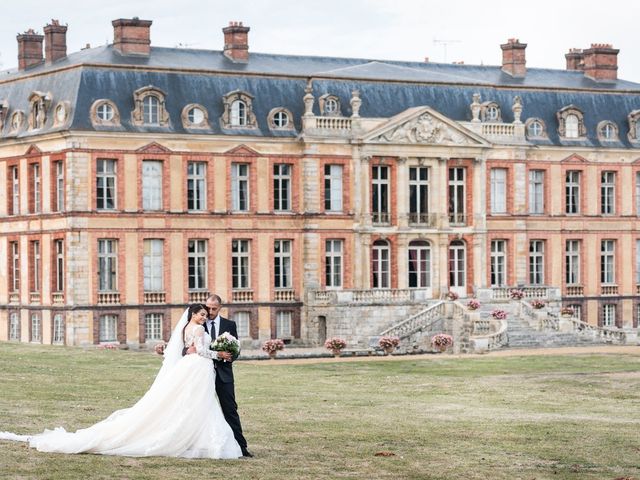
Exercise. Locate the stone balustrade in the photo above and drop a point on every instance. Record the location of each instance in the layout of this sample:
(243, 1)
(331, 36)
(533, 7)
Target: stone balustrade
(34, 297)
(57, 298)
(609, 290)
(154, 297)
(284, 295)
(14, 297)
(108, 298)
(575, 291)
(369, 296)
(423, 320)
(198, 296)
(327, 126)
(242, 296)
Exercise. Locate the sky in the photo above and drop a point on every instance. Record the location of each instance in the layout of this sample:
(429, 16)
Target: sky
(444, 31)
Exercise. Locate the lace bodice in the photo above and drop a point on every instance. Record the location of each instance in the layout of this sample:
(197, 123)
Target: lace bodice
(200, 339)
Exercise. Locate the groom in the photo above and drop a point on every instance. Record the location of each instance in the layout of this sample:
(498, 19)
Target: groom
(215, 326)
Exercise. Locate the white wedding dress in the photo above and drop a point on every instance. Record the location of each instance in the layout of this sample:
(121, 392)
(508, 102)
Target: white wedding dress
(179, 416)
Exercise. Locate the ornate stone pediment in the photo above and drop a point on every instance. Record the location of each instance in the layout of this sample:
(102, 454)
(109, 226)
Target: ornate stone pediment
(153, 147)
(423, 125)
(242, 150)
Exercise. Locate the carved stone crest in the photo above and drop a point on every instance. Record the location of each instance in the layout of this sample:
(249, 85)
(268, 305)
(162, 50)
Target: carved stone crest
(424, 129)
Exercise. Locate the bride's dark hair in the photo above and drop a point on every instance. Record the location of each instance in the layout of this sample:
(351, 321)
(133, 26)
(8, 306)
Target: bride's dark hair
(195, 308)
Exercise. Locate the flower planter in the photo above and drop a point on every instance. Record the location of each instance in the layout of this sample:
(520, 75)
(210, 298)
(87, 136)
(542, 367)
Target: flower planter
(336, 352)
(272, 355)
(388, 350)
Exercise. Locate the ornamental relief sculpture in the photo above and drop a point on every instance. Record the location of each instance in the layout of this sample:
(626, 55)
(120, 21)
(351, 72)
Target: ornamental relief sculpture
(423, 129)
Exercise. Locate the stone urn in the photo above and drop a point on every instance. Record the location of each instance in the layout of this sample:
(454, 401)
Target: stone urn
(272, 355)
(336, 352)
(388, 350)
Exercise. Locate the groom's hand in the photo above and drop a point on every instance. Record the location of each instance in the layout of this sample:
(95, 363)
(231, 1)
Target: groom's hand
(226, 356)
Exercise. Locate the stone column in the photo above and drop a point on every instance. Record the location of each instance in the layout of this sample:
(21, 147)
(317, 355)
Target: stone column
(78, 185)
(402, 260)
(402, 196)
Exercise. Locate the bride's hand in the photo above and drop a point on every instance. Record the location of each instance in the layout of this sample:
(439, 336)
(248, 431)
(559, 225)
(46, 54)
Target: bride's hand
(190, 350)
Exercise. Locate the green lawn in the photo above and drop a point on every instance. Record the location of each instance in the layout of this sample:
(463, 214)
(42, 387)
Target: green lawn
(489, 418)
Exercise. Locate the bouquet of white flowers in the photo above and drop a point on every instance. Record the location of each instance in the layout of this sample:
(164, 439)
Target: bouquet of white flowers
(226, 343)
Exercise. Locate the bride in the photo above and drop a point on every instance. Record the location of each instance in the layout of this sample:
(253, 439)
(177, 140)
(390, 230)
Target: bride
(179, 416)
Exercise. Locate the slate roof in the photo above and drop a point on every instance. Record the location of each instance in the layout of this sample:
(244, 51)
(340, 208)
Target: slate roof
(387, 88)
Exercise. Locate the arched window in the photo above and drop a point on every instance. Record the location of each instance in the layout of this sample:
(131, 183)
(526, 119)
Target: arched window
(150, 112)
(104, 112)
(419, 264)
(457, 264)
(571, 126)
(238, 114)
(571, 123)
(380, 265)
(607, 131)
(535, 128)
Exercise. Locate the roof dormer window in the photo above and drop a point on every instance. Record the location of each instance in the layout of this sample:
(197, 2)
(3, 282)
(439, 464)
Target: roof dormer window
(491, 112)
(607, 131)
(195, 116)
(329, 105)
(634, 126)
(238, 110)
(535, 128)
(104, 112)
(39, 104)
(150, 107)
(571, 123)
(280, 119)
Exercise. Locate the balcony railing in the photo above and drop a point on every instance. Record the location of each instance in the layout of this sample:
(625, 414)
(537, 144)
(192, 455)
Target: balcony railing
(498, 130)
(381, 218)
(370, 296)
(457, 219)
(14, 297)
(108, 298)
(423, 219)
(242, 296)
(327, 126)
(34, 297)
(609, 290)
(57, 298)
(283, 295)
(198, 296)
(575, 291)
(529, 291)
(154, 297)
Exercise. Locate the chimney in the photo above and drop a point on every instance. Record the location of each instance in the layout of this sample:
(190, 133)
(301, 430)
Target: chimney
(513, 58)
(29, 49)
(132, 36)
(236, 42)
(575, 59)
(55, 41)
(601, 62)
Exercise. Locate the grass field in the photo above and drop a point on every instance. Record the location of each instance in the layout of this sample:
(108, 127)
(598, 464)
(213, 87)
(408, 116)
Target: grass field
(489, 418)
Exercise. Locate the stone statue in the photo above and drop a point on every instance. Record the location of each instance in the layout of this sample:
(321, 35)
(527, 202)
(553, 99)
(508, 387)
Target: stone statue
(308, 100)
(355, 104)
(517, 109)
(475, 108)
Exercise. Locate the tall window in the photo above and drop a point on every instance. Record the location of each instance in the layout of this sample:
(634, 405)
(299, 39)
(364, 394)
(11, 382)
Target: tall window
(36, 327)
(15, 190)
(637, 262)
(419, 194)
(197, 260)
(607, 262)
(106, 184)
(282, 263)
(457, 264)
(238, 114)
(419, 264)
(498, 190)
(153, 326)
(333, 188)
(380, 194)
(572, 262)
(36, 188)
(107, 265)
(14, 326)
(498, 263)
(59, 186)
(380, 265)
(333, 263)
(607, 193)
(58, 329)
(283, 325)
(281, 187)
(536, 191)
(536, 262)
(151, 110)
(638, 194)
(58, 266)
(457, 195)
(240, 256)
(243, 322)
(608, 315)
(36, 266)
(152, 262)
(571, 125)
(108, 328)
(196, 186)
(151, 185)
(240, 187)
(14, 266)
(572, 192)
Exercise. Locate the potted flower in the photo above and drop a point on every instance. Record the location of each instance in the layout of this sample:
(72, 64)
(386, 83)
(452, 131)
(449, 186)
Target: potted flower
(499, 314)
(516, 294)
(336, 345)
(568, 311)
(473, 304)
(442, 341)
(537, 304)
(451, 295)
(388, 344)
(273, 346)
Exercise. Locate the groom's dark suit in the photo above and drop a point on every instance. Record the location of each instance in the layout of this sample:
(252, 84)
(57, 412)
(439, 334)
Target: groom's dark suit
(224, 383)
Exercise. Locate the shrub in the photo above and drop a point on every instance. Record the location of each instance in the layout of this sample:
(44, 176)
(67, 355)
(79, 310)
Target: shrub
(499, 314)
(473, 304)
(452, 295)
(516, 294)
(273, 345)
(388, 342)
(335, 343)
(442, 341)
(537, 304)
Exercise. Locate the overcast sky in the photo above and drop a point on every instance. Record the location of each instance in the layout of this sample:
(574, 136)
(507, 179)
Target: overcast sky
(445, 31)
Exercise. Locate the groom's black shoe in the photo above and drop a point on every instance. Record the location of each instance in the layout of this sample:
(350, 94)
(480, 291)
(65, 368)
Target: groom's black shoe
(246, 453)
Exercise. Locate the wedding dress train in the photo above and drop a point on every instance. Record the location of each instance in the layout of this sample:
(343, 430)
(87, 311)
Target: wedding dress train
(179, 416)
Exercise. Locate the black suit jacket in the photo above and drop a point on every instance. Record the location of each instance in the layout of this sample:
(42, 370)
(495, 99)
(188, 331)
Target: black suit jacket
(224, 370)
